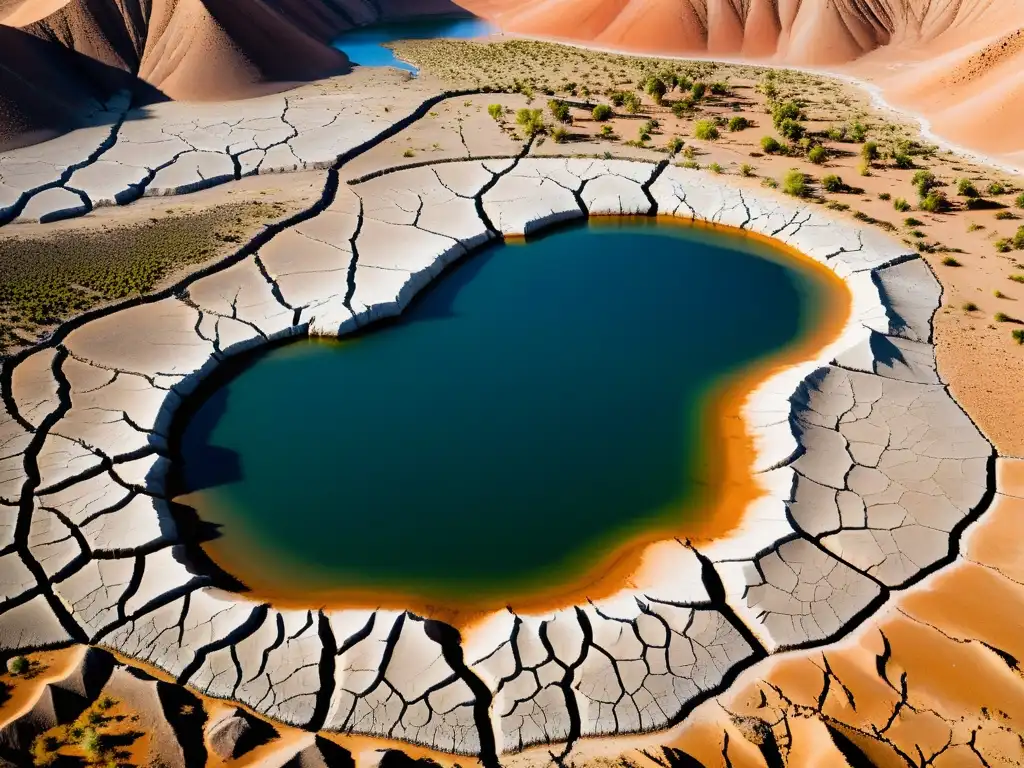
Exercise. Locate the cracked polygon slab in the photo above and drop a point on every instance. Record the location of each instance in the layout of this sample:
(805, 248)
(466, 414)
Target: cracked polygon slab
(868, 470)
(15, 578)
(31, 625)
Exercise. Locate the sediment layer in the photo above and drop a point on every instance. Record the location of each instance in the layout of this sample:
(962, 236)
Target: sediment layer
(874, 472)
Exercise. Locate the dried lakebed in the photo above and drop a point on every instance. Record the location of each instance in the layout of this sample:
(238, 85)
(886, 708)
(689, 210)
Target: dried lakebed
(873, 472)
(507, 392)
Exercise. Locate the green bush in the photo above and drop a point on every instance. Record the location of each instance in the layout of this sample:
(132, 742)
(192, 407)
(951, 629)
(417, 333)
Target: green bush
(656, 89)
(738, 123)
(970, 306)
(682, 108)
(949, 261)
(836, 133)
(1019, 202)
(817, 155)
(601, 112)
(632, 103)
(903, 161)
(795, 183)
(857, 131)
(698, 91)
(1003, 245)
(607, 132)
(496, 111)
(997, 188)
(705, 130)
(833, 183)
(618, 98)
(746, 170)
(18, 665)
(560, 111)
(675, 145)
(770, 145)
(720, 89)
(1006, 216)
(934, 202)
(924, 181)
(559, 135)
(901, 205)
(884, 196)
(792, 129)
(715, 168)
(530, 120)
(869, 151)
(1002, 317)
(783, 111)
(966, 188)
(1018, 335)
(1018, 239)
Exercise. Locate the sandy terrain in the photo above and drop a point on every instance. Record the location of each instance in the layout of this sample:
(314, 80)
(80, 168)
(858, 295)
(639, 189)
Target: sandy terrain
(936, 672)
(957, 63)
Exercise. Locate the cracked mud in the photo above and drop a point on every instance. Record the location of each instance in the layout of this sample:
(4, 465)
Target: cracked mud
(874, 470)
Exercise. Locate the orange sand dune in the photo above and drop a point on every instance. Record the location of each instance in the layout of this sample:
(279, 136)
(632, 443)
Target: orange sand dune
(957, 62)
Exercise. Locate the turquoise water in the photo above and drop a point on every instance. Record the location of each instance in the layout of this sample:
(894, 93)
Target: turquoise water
(365, 46)
(539, 403)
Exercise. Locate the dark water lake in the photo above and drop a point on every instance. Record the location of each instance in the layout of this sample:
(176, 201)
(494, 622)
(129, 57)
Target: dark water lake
(365, 46)
(536, 405)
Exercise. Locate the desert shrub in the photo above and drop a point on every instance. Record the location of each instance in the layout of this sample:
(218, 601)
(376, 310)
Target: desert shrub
(693, 165)
(607, 132)
(783, 111)
(601, 112)
(770, 183)
(715, 168)
(705, 130)
(1003, 245)
(18, 665)
(746, 170)
(738, 123)
(1018, 239)
(698, 91)
(996, 188)
(949, 261)
(966, 188)
(618, 98)
(864, 168)
(999, 294)
(559, 135)
(817, 155)
(1006, 216)
(795, 183)
(496, 111)
(1019, 202)
(632, 103)
(792, 129)
(903, 161)
(924, 181)
(884, 196)
(675, 144)
(901, 205)
(409, 153)
(836, 133)
(1018, 335)
(682, 108)
(720, 89)
(869, 151)
(970, 306)
(934, 202)
(833, 183)
(1017, 278)
(530, 120)
(656, 89)
(560, 111)
(857, 131)
(910, 221)
(770, 145)
(1002, 317)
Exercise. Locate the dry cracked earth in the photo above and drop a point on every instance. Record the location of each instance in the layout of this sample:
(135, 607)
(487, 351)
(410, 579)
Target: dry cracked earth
(873, 473)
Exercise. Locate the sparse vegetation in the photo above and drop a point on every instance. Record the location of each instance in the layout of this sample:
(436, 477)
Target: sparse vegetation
(934, 202)
(706, 130)
(715, 168)
(795, 183)
(675, 145)
(1019, 201)
(832, 183)
(901, 205)
(966, 188)
(1005, 216)
(601, 112)
(770, 145)
(949, 261)
(18, 665)
(997, 188)
(560, 111)
(746, 170)
(970, 306)
(1018, 335)
(496, 111)
(738, 123)
(817, 155)
(531, 121)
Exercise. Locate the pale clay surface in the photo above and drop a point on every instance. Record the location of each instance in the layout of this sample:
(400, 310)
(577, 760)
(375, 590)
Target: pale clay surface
(872, 470)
